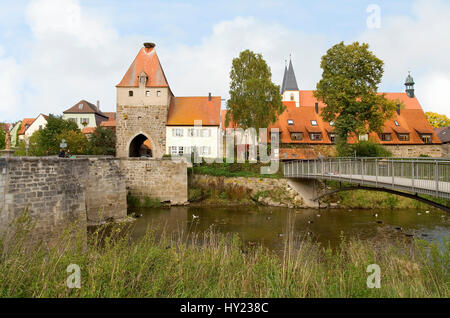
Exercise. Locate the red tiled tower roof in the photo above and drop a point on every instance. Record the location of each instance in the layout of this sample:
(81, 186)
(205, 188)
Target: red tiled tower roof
(146, 61)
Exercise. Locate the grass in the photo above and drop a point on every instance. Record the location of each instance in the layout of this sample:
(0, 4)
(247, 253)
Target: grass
(364, 199)
(215, 265)
(246, 169)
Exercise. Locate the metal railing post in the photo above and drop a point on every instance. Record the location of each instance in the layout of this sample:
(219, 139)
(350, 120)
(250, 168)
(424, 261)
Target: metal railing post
(436, 177)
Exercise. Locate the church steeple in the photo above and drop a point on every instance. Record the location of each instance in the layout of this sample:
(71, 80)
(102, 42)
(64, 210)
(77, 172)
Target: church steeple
(409, 84)
(289, 81)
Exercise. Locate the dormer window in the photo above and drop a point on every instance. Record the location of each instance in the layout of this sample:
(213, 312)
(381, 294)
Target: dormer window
(147, 93)
(290, 122)
(426, 138)
(331, 123)
(313, 122)
(158, 93)
(396, 123)
(142, 78)
(292, 97)
(80, 106)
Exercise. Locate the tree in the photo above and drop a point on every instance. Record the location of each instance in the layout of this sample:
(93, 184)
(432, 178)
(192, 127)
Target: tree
(349, 84)
(437, 120)
(102, 142)
(2, 137)
(76, 141)
(51, 135)
(255, 101)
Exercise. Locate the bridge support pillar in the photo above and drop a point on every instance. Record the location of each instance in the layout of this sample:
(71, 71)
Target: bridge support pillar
(307, 189)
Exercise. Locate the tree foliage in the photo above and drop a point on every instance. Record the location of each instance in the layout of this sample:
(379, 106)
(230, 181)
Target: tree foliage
(52, 134)
(437, 120)
(255, 101)
(2, 137)
(349, 84)
(102, 142)
(364, 149)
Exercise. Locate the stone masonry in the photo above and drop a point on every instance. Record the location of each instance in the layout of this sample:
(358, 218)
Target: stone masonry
(58, 193)
(147, 120)
(158, 178)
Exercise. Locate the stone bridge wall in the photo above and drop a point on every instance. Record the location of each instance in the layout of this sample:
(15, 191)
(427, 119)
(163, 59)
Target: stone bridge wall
(158, 178)
(61, 192)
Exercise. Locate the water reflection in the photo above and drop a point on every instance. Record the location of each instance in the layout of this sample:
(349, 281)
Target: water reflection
(270, 226)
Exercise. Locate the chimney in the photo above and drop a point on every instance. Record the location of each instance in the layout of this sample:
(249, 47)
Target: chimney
(149, 45)
(316, 106)
(98, 105)
(209, 96)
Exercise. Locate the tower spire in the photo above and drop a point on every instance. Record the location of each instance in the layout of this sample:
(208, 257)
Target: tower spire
(289, 80)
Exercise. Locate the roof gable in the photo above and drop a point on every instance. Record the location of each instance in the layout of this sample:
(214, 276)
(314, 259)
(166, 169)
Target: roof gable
(146, 61)
(84, 107)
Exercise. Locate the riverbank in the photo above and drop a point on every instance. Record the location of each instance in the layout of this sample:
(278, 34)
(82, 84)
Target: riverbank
(214, 265)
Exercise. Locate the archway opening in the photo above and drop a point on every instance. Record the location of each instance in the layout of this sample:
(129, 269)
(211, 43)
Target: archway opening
(140, 146)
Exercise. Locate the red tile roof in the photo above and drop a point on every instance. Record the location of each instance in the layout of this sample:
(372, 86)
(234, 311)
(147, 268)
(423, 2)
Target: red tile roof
(88, 130)
(411, 120)
(108, 123)
(297, 153)
(146, 61)
(25, 122)
(183, 111)
(110, 115)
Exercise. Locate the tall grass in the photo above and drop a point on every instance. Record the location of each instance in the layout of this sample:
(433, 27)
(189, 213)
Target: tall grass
(215, 265)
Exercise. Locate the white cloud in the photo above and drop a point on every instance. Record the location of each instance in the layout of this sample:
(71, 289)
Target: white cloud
(10, 86)
(418, 44)
(197, 70)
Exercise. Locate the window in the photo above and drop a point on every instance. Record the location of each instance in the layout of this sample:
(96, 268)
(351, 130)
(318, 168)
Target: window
(147, 93)
(130, 93)
(80, 106)
(177, 132)
(331, 123)
(315, 136)
(158, 93)
(314, 122)
(206, 133)
(396, 123)
(290, 122)
(27, 126)
(296, 136)
(292, 97)
(40, 127)
(180, 150)
(205, 150)
(84, 120)
(403, 137)
(173, 150)
(364, 137)
(73, 120)
(426, 138)
(332, 137)
(192, 132)
(386, 137)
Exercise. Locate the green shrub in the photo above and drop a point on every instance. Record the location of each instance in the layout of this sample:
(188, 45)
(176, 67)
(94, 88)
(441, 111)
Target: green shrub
(363, 149)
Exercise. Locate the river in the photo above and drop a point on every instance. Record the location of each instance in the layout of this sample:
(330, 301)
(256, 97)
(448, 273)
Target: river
(270, 226)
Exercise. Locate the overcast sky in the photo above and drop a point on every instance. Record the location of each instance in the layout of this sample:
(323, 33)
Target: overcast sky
(54, 53)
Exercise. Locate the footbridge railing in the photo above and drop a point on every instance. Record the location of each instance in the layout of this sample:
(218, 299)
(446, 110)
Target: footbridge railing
(417, 175)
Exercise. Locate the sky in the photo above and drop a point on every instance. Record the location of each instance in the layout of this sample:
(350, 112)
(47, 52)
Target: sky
(54, 53)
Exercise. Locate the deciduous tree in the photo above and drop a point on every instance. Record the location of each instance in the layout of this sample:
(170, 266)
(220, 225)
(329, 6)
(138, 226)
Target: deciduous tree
(437, 120)
(349, 85)
(255, 101)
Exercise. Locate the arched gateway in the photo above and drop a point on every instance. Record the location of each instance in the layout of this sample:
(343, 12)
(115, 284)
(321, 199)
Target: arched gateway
(140, 146)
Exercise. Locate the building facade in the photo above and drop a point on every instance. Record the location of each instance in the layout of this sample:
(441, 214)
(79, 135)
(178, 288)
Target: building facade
(151, 121)
(304, 134)
(86, 115)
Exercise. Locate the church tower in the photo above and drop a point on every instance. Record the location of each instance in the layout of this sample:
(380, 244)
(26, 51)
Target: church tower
(143, 100)
(409, 84)
(289, 88)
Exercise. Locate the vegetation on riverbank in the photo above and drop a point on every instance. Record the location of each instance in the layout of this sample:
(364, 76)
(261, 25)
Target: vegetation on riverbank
(221, 266)
(147, 202)
(364, 199)
(246, 169)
